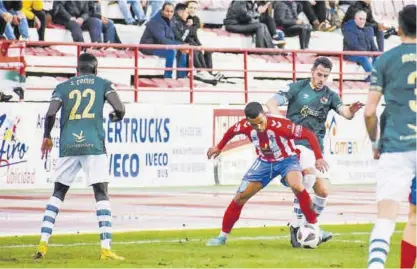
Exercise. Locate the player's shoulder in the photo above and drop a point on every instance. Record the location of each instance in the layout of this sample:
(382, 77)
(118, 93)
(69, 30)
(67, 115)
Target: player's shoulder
(242, 125)
(394, 53)
(299, 83)
(278, 122)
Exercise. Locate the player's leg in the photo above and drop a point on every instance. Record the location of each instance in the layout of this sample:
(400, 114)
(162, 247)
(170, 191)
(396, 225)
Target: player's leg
(408, 244)
(394, 177)
(321, 191)
(294, 180)
(255, 179)
(64, 174)
(97, 177)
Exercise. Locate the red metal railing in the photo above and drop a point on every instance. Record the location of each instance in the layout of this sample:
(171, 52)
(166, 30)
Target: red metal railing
(245, 51)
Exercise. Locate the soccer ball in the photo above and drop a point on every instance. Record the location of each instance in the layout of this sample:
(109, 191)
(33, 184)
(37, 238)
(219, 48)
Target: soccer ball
(308, 236)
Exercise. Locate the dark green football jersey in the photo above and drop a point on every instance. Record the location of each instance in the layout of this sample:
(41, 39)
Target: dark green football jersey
(82, 99)
(394, 74)
(309, 107)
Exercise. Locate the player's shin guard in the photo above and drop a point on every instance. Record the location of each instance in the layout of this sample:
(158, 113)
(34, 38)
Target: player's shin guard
(231, 215)
(104, 223)
(307, 207)
(49, 217)
(318, 204)
(408, 255)
(379, 243)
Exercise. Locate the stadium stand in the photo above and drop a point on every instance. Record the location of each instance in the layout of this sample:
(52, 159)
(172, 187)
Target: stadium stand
(47, 66)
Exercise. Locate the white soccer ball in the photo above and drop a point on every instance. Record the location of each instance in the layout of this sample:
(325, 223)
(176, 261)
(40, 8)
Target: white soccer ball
(308, 236)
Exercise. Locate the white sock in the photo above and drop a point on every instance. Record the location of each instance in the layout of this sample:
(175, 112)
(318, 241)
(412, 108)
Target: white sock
(103, 211)
(318, 204)
(49, 217)
(223, 234)
(379, 243)
(298, 216)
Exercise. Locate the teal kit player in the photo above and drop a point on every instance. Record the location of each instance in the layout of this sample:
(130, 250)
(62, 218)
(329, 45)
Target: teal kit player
(394, 77)
(81, 146)
(309, 102)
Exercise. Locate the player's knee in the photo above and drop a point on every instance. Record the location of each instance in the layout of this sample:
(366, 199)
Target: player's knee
(60, 190)
(321, 189)
(100, 192)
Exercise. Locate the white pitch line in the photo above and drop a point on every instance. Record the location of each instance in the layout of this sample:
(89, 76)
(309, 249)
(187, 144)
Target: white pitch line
(184, 240)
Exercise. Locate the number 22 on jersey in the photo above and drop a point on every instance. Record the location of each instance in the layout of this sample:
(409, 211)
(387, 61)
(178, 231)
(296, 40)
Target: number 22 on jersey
(78, 96)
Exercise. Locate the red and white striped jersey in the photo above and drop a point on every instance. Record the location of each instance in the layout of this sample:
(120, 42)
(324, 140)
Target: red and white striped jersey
(276, 142)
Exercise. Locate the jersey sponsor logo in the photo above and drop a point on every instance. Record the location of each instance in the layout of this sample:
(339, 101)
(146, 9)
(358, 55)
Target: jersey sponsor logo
(307, 111)
(305, 96)
(79, 138)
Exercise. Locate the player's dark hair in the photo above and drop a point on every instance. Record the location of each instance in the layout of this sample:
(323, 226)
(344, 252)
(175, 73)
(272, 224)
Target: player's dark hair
(166, 4)
(180, 7)
(253, 109)
(407, 20)
(87, 64)
(323, 61)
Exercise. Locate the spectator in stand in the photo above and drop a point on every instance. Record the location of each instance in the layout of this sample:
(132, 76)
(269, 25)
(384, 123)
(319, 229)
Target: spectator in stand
(137, 9)
(182, 28)
(286, 18)
(316, 13)
(108, 29)
(158, 31)
(33, 10)
(379, 28)
(195, 23)
(358, 37)
(11, 12)
(252, 18)
(75, 16)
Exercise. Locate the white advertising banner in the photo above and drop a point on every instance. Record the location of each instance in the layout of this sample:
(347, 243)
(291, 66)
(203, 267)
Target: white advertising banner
(152, 146)
(348, 150)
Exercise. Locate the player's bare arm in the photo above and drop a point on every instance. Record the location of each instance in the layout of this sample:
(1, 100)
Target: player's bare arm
(371, 119)
(53, 109)
(349, 111)
(275, 102)
(117, 105)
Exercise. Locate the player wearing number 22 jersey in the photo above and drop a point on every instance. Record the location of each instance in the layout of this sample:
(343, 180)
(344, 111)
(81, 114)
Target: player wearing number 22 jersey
(81, 100)
(277, 155)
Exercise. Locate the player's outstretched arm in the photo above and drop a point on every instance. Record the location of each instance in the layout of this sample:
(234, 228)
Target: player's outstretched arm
(54, 107)
(230, 133)
(349, 111)
(293, 131)
(117, 105)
